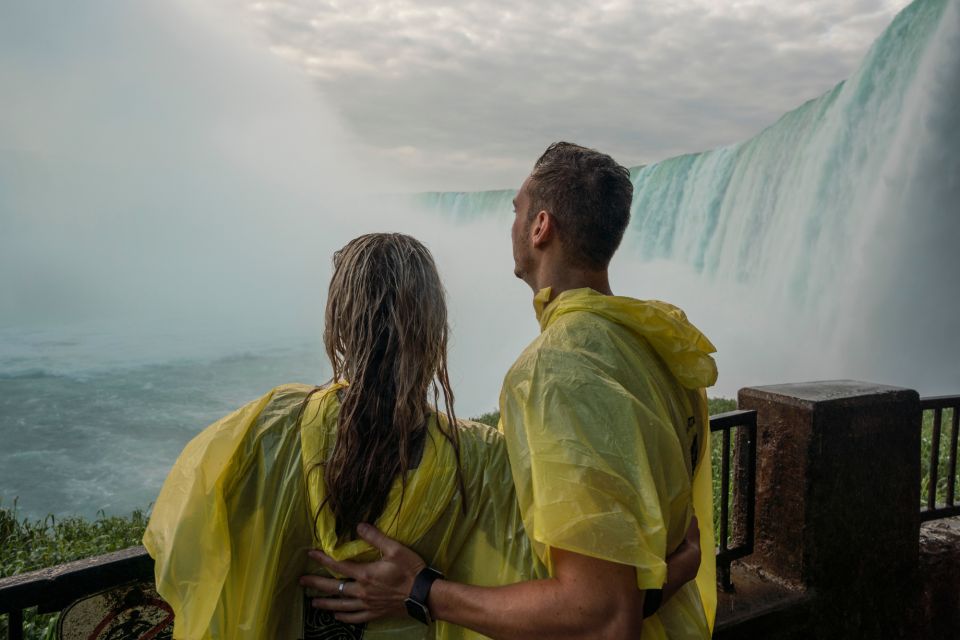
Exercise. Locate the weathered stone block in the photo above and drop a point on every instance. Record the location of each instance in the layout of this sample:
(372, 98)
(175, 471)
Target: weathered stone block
(837, 499)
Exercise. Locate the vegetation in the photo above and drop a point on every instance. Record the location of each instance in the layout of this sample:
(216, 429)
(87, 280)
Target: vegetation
(27, 545)
(926, 446)
(490, 418)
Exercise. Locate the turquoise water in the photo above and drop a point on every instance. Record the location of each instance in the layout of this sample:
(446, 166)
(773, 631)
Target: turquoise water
(84, 438)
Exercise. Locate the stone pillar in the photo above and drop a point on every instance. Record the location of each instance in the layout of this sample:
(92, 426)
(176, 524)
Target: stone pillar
(837, 513)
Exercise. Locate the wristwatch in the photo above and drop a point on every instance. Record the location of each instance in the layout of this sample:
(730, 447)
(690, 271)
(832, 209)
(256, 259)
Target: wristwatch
(416, 602)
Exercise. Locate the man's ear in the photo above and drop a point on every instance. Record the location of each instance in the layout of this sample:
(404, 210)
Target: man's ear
(542, 229)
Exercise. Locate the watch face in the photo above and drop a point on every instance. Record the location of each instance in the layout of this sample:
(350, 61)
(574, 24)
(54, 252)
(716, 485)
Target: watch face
(417, 611)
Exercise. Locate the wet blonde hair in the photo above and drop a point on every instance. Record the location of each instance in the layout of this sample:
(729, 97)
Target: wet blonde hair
(386, 334)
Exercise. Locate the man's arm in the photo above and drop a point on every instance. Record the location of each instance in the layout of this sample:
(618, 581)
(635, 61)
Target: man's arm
(586, 597)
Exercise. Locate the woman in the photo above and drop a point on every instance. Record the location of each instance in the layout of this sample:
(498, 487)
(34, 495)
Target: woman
(301, 467)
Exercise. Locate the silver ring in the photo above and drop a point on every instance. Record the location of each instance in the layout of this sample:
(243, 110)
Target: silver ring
(343, 583)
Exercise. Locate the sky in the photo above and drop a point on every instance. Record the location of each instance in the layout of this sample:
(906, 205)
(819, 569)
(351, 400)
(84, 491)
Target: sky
(465, 96)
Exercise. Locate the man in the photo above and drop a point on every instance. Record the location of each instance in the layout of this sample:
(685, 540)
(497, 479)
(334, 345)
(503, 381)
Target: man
(605, 420)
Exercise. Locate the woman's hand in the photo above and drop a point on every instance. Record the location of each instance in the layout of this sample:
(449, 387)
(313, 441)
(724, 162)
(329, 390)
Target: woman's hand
(373, 590)
(684, 563)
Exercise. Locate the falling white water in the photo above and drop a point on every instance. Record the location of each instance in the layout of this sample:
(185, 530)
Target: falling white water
(827, 245)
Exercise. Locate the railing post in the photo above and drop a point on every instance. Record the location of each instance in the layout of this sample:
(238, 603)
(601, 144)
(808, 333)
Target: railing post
(837, 506)
(15, 625)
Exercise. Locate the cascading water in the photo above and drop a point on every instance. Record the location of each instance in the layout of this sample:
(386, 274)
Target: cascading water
(828, 242)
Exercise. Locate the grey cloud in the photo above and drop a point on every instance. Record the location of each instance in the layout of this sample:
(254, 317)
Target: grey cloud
(464, 96)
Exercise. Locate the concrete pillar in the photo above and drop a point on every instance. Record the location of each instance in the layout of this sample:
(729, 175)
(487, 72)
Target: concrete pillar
(837, 514)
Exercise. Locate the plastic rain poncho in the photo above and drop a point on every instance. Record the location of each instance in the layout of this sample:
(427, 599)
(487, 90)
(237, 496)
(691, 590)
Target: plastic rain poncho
(607, 430)
(234, 519)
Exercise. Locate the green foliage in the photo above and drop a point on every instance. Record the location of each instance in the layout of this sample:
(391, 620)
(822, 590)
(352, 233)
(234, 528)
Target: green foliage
(490, 418)
(720, 405)
(27, 545)
(715, 406)
(926, 447)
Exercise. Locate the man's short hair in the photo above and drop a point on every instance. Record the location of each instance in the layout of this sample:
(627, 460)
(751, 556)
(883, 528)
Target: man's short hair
(589, 196)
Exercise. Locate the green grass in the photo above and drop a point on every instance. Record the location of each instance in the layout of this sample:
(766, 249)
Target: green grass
(926, 445)
(27, 545)
(490, 418)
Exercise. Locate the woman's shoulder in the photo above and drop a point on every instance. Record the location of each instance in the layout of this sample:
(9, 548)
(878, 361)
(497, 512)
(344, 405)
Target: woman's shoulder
(291, 399)
(480, 444)
(479, 433)
(297, 392)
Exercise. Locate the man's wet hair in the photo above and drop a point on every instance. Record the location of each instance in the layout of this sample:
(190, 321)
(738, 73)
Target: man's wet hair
(588, 194)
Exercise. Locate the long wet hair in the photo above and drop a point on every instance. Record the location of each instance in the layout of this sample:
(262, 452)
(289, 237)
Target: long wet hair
(386, 335)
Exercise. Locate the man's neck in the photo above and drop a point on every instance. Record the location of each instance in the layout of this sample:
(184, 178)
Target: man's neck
(564, 278)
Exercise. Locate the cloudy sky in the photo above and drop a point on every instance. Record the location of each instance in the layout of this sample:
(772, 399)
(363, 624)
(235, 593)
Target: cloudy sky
(459, 96)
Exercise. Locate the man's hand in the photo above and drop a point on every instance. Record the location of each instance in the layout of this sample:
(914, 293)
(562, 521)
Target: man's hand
(374, 590)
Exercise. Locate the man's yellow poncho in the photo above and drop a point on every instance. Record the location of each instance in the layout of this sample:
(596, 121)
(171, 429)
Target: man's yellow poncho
(607, 430)
(231, 527)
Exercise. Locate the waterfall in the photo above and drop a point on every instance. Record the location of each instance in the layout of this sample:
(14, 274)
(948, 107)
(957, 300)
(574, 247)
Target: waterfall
(840, 218)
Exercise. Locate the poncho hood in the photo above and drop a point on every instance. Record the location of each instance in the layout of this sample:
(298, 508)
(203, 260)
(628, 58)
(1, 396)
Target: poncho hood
(684, 349)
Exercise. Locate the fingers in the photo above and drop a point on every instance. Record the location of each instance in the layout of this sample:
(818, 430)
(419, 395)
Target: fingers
(350, 605)
(356, 618)
(331, 586)
(346, 568)
(377, 539)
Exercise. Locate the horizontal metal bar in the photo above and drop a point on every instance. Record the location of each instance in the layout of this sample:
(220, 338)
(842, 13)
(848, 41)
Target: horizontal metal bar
(732, 419)
(940, 512)
(939, 402)
(735, 553)
(67, 582)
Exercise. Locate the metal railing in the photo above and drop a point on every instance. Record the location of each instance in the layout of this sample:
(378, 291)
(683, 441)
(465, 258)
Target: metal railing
(738, 543)
(54, 588)
(930, 509)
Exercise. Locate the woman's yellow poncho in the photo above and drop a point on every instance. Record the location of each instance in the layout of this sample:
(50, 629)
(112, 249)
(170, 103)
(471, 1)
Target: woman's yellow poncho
(234, 519)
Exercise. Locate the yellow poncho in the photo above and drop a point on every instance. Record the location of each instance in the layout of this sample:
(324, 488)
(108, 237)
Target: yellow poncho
(607, 430)
(230, 529)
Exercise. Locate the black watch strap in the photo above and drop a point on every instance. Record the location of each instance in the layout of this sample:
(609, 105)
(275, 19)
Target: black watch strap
(416, 602)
